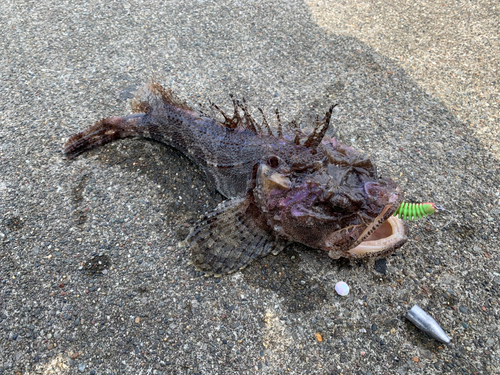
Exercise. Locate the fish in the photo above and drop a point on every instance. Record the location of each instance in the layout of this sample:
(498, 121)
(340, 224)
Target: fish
(283, 184)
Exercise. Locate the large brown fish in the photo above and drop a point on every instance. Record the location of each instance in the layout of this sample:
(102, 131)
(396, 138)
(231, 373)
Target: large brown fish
(295, 186)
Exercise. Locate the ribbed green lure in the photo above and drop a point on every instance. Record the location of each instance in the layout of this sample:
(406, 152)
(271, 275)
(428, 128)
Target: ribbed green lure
(410, 211)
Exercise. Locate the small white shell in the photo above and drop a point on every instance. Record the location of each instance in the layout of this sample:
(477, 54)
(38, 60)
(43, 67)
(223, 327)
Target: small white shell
(342, 288)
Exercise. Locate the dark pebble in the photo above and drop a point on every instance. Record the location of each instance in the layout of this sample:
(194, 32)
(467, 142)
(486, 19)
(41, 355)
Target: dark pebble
(381, 266)
(463, 309)
(374, 327)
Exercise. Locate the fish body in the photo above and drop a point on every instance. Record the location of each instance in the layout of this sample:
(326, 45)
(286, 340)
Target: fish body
(293, 186)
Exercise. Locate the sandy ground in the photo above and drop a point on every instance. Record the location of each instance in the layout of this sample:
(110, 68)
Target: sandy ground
(450, 48)
(417, 87)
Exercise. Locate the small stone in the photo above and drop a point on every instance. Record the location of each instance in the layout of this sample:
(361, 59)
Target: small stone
(463, 309)
(81, 367)
(137, 320)
(465, 325)
(374, 327)
(75, 355)
(319, 337)
(342, 288)
(381, 266)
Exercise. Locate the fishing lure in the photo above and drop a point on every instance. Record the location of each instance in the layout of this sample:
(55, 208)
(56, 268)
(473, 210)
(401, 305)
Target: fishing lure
(410, 211)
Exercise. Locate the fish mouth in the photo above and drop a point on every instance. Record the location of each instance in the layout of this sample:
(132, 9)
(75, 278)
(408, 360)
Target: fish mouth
(384, 235)
(389, 236)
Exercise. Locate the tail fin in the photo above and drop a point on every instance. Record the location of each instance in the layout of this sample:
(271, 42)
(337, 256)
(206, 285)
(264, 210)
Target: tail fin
(102, 132)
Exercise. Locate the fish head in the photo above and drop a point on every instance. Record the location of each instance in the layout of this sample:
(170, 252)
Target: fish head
(329, 198)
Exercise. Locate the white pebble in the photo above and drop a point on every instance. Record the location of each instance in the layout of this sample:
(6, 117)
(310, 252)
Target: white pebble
(342, 288)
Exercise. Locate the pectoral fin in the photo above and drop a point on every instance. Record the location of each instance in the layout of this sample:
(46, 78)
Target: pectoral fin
(229, 238)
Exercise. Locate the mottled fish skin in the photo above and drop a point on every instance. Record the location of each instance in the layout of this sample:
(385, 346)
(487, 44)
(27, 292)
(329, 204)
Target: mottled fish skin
(164, 118)
(292, 187)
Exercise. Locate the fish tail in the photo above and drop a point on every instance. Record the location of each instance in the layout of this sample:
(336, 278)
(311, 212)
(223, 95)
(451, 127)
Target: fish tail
(104, 131)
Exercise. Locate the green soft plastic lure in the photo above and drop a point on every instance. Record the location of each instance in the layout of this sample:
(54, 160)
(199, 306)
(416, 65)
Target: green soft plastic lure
(410, 211)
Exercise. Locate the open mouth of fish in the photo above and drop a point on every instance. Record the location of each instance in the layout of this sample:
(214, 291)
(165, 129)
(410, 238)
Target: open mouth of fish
(384, 235)
(388, 236)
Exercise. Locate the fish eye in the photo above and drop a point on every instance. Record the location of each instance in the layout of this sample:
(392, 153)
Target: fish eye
(273, 161)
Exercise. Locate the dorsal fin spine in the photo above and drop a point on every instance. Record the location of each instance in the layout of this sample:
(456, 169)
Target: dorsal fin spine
(280, 128)
(320, 129)
(264, 122)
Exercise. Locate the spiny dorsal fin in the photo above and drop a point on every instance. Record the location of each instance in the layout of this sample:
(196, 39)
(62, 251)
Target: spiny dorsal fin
(297, 132)
(264, 122)
(229, 122)
(320, 129)
(280, 128)
(151, 93)
(168, 96)
(245, 122)
(250, 123)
